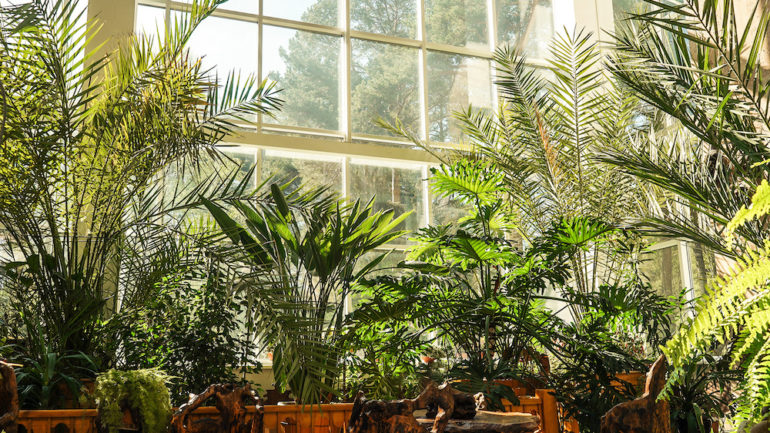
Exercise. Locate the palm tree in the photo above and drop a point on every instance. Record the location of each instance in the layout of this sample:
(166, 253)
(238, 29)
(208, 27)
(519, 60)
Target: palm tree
(84, 142)
(695, 62)
(544, 138)
(701, 63)
(298, 255)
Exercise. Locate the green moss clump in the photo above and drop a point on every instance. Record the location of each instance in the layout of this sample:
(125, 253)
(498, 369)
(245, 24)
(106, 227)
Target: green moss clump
(142, 390)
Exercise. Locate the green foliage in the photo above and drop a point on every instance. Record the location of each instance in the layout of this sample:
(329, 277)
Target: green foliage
(192, 328)
(381, 362)
(142, 391)
(702, 396)
(47, 377)
(733, 314)
(541, 146)
(620, 327)
(469, 287)
(700, 64)
(302, 251)
(83, 140)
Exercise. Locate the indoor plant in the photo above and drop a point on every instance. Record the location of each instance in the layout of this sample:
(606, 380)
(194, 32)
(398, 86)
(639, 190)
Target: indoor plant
(83, 140)
(301, 251)
(137, 395)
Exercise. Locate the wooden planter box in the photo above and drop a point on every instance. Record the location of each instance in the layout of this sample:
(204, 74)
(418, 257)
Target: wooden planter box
(326, 418)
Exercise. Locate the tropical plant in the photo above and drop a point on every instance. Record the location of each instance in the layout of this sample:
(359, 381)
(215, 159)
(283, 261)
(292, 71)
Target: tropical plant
(470, 288)
(703, 394)
(302, 251)
(382, 361)
(732, 318)
(142, 392)
(700, 62)
(83, 141)
(621, 327)
(192, 328)
(544, 138)
(46, 379)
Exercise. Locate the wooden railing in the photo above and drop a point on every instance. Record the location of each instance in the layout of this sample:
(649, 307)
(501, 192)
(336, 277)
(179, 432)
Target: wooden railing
(326, 418)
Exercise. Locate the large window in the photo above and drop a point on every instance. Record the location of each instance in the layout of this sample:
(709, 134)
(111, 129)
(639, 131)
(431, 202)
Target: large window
(345, 63)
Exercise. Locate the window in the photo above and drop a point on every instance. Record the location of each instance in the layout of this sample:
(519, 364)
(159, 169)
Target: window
(310, 170)
(385, 84)
(392, 187)
(306, 66)
(454, 83)
(310, 11)
(213, 41)
(525, 24)
(674, 265)
(150, 20)
(461, 23)
(342, 64)
(389, 17)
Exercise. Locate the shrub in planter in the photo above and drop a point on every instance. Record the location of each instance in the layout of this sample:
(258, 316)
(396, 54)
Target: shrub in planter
(191, 328)
(141, 392)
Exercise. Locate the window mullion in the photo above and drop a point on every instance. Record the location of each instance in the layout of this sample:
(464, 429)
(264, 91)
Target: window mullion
(423, 72)
(260, 62)
(347, 127)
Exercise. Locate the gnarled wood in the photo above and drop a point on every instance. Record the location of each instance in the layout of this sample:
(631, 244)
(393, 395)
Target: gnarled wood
(9, 398)
(645, 414)
(490, 422)
(377, 416)
(448, 411)
(231, 401)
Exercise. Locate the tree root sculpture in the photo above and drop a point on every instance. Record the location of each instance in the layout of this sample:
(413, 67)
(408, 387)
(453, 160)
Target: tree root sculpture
(9, 398)
(231, 401)
(443, 402)
(645, 414)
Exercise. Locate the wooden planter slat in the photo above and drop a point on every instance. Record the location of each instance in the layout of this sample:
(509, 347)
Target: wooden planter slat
(328, 418)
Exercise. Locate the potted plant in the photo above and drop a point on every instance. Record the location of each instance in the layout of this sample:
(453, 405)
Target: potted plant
(133, 400)
(303, 247)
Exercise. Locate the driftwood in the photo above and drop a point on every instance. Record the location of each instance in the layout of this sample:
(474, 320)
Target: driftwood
(447, 411)
(645, 414)
(491, 422)
(231, 401)
(9, 399)
(377, 416)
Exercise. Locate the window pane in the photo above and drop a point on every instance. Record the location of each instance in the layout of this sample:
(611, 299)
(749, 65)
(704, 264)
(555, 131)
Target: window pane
(310, 170)
(228, 45)
(396, 188)
(447, 210)
(324, 12)
(248, 6)
(460, 22)
(621, 9)
(150, 20)
(525, 24)
(662, 269)
(182, 179)
(384, 84)
(387, 17)
(703, 267)
(454, 82)
(306, 66)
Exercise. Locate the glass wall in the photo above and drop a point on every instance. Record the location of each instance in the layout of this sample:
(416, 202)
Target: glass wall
(343, 64)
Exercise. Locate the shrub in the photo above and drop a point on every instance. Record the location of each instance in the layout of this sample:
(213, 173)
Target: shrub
(191, 329)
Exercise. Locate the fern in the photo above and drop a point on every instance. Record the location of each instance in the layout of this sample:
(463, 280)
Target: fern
(735, 313)
(143, 390)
